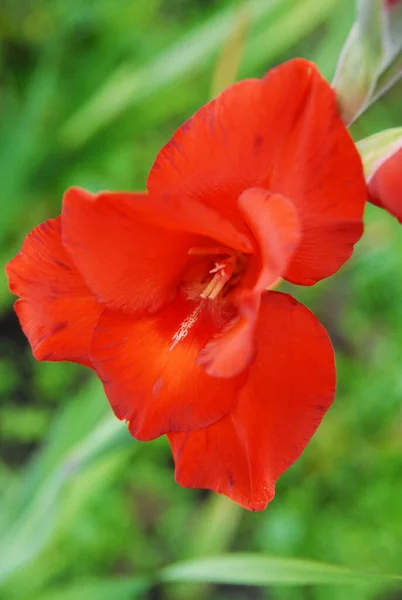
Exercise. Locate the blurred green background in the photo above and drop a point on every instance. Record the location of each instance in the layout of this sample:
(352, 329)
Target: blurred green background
(89, 91)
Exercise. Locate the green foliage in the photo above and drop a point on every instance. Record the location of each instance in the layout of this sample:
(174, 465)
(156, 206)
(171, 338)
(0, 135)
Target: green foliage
(90, 91)
(255, 569)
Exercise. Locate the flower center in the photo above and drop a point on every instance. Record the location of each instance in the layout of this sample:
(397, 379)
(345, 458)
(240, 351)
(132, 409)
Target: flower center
(222, 271)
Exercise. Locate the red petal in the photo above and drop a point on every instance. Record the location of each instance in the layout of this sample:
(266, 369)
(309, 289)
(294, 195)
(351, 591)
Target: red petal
(147, 365)
(291, 384)
(232, 349)
(273, 221)
(282, 133)
(189, 214)
(56, 310)
(128, 262)
(320, 170)
(275, 226)
(385, 187)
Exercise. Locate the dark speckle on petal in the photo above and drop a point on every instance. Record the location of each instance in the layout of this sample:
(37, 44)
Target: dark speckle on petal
(231, 480)
(258, 143)
(61, 264)
(59, 326)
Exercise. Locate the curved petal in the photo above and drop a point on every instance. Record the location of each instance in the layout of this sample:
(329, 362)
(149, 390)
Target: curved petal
(284, 134)
(128, 262)
(191, 215)
(56, 310)
(325, 180)
(274, 224)
(147, 365)
(385, 187)
(290, 386)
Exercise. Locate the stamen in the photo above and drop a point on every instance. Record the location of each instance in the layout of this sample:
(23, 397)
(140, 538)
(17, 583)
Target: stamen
(223, 272)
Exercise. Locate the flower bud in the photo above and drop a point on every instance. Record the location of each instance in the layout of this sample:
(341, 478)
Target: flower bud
(382, 159)
(371, 59)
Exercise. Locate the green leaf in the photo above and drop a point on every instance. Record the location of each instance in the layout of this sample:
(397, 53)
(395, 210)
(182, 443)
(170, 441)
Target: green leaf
(35, 525)
(100, 589)
(293, 22)
(20, 139)
(255, 569)
(228, 63)
(376, 148)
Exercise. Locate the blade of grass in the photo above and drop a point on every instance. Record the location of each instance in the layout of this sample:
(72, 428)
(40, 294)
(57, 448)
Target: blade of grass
(255, 569)
(290, 27)
(100, 589)
(228, 63)
(22, 139)
(30, 533)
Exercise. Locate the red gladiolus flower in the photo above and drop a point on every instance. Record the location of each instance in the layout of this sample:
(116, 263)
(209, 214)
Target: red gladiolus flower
(165, 295)
(385, 185)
